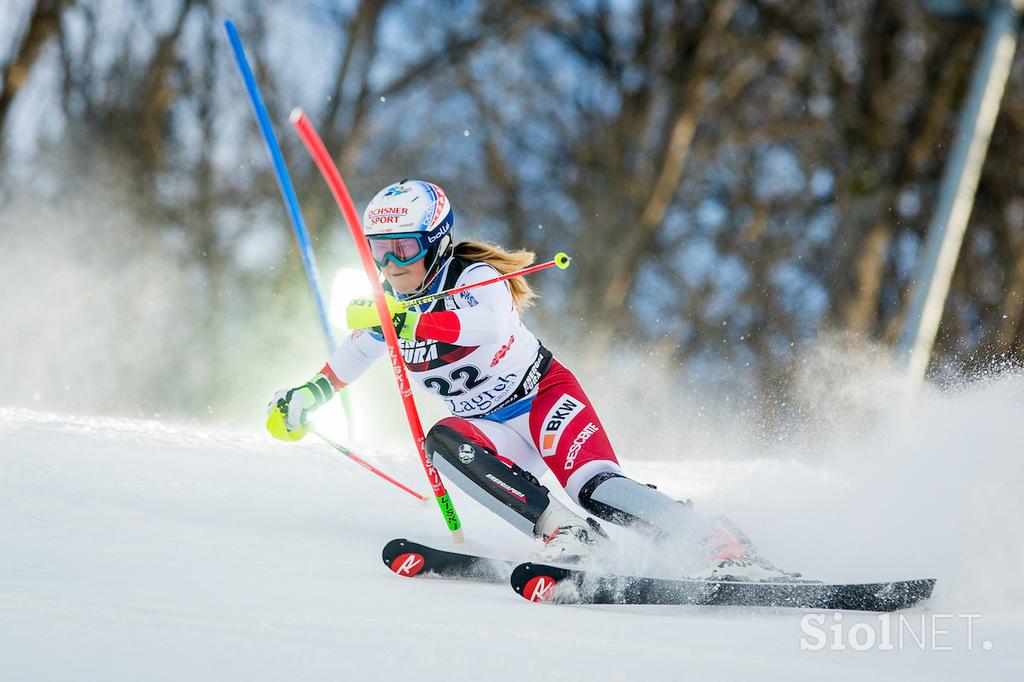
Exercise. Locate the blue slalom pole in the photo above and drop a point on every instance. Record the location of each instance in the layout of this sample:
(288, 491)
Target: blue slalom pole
(284, 183)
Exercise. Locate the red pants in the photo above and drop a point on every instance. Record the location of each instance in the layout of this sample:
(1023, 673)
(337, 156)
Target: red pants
(561, 433)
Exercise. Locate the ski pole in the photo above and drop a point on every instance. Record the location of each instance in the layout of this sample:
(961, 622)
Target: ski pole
(332, 176)
(291, 201)
(363, 463)
(562, 260)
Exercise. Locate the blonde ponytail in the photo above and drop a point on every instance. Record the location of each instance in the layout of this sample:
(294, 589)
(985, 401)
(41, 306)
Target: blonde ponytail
(504, 262)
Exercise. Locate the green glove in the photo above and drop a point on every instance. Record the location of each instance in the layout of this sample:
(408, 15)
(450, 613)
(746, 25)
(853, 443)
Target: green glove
(405, 324)
(361, 313)
(278, 427)
(287, 411)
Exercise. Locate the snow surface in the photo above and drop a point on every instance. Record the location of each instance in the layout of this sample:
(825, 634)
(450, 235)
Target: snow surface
(131, 550)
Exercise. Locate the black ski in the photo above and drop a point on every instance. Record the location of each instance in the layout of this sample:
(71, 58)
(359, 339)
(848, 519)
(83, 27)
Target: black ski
(539, 582)
(408, 558)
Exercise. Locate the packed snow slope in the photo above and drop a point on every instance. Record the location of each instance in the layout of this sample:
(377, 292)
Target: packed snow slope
(133, 550)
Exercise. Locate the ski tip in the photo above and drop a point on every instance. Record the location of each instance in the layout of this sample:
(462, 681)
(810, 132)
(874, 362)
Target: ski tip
(394, 548)
(401, 558)
(925, 586)
(539, 588)
(921, 589)
(408, 564)
(533, 585)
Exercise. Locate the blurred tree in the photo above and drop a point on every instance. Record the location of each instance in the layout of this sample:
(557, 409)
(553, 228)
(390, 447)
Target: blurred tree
(43, 24)
(733, 177)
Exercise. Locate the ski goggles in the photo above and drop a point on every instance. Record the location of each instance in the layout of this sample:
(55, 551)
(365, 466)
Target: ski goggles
(400, 249)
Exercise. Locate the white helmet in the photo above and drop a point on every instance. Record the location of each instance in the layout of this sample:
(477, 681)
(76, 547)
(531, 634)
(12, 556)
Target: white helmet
(407, 221)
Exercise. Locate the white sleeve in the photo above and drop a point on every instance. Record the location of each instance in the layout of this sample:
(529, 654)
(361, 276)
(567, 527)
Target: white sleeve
(355, 354)
(485, 315)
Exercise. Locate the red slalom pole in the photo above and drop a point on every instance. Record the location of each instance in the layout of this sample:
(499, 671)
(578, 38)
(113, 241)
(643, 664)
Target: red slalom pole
(562, 260)
(366, 465)
(316, 149)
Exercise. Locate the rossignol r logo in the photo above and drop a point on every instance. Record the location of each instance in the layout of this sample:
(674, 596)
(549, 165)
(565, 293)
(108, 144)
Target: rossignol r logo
(541, 588)
(557, 418)
(407, 564)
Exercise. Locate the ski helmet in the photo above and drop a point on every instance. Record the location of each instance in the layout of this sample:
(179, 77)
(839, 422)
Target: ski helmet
(407, 221)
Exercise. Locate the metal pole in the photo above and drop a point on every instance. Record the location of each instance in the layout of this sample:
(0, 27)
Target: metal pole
(959, 184)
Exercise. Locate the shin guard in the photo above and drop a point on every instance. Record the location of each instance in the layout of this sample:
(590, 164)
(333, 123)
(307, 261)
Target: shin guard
(509, 491)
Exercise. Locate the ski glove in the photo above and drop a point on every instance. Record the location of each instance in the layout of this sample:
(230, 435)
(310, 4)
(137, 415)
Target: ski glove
(287, 411)
(361, 313)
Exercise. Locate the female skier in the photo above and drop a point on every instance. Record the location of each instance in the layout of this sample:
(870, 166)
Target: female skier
(515, 409)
